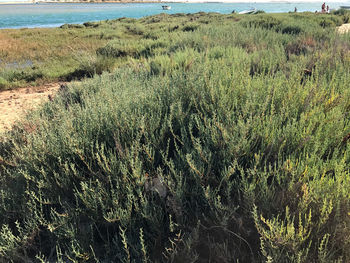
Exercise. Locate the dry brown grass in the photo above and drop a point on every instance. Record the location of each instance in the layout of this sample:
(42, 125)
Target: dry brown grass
(42, 44)
(11, 47)
(32, 57)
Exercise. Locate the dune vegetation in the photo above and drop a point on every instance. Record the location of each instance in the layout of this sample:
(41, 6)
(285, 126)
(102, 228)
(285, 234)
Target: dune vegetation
(191, 138)
(74, 51)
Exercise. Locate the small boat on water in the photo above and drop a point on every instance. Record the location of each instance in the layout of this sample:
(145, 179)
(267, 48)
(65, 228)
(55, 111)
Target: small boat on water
(166, 7)
(250, 11)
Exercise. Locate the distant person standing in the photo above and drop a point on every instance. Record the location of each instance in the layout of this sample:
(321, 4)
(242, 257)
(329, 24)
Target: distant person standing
(295, 10)
(323, 7)
(327, 9)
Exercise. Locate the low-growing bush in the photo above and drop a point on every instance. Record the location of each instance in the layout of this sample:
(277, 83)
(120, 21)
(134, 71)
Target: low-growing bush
(301, 46)
(341, 12)
(327, 23)
(190, 28)
(187, 40)
(266, 22)
(3, 83)
(291, 29)
(229, 143)
(130, 38)
(136, 29)
(121, 48)
(89, 66)
(67, 26)
(91, 24)
(28, 74)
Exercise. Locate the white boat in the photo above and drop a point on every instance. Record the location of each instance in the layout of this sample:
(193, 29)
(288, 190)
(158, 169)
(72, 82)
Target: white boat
(250, 11)
(166, 7)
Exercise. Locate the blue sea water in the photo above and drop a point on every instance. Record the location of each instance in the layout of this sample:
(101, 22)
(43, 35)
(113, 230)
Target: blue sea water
(52, 14)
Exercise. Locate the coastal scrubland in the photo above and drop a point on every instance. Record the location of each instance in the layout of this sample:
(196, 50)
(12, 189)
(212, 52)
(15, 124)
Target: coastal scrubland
(74, 51)
(191, 138)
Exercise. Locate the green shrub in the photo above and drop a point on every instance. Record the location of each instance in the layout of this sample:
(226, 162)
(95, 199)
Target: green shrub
(341, 12)
(27, 74)
(187, 40)
(327, 23)
(136, 29)
(301, 46)
(120, 48)
(91, 24)
(190, 27)
(89, 66)
(3, 83)
(291, 29)
(266, 22)
(226, 144)
(67, 26)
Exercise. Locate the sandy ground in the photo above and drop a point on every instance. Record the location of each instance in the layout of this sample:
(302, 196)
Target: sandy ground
(15, 103)
(345, 28)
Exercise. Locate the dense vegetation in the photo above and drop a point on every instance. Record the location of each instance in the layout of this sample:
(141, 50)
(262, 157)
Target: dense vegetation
(36, 56)
(216, 138)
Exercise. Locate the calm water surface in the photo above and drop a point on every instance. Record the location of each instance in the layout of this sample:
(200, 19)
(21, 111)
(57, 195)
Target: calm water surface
(51, 15)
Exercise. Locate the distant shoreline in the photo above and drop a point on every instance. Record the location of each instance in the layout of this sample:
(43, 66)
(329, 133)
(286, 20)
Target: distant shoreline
(162, 2)
(78, 2)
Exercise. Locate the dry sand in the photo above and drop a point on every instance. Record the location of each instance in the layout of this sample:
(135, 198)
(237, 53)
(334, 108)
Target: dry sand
(345, 28)
(15, 103)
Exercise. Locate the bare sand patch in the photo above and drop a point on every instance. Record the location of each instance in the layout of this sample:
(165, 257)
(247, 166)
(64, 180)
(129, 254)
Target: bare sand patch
(15, 103)
(343, 28)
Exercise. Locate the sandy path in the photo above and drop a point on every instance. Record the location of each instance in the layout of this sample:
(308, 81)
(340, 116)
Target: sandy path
(344, 28)
(15, 103)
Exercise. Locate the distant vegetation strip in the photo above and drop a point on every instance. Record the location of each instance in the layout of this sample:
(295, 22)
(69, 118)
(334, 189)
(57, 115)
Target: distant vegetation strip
(36, 56)
(206, 138)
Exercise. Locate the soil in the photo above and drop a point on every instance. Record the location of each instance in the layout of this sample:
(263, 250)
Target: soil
(15, 103)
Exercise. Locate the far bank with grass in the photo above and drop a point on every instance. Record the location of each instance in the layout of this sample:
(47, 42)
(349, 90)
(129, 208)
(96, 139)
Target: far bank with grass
(76, 51)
